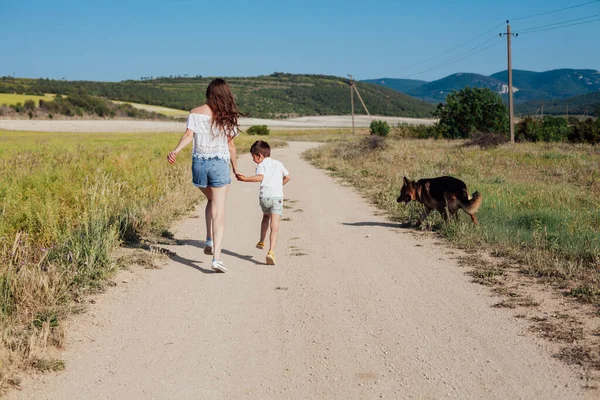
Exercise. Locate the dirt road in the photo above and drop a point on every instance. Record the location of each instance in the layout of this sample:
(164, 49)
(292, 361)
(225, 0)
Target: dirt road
(332, 121)
(356, 308)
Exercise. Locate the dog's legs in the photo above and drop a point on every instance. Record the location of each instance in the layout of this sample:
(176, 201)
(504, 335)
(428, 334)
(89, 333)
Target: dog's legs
(424, 215)
(474, 219)
(444, 212)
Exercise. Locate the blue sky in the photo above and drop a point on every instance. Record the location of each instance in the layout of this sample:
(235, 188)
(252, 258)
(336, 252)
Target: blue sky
(115, 40)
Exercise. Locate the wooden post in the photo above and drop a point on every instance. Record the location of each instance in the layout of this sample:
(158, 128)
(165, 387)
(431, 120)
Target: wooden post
(362, 102)
(352, 100)
(510, 86)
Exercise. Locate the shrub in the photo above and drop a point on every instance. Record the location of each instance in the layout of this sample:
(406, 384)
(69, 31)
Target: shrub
(487, 140)
(549, 129)
(373, 142)
(17, 107)
(29, 105)
(379, 128)
(258, 130)
(586, 132)
(472, 110)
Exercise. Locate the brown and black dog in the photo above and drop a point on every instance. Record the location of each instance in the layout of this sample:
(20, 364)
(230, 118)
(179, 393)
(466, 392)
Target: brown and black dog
(443, 194)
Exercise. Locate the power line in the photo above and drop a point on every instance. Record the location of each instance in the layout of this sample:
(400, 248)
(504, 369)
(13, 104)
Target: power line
(557, 23)
(442, 53)
(563, 26)
(555, 11)
(457, 59)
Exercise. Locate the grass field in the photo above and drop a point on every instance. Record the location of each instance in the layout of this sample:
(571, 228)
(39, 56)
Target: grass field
(171, 112)
(67, 201)
(10, 99)
(541, 204)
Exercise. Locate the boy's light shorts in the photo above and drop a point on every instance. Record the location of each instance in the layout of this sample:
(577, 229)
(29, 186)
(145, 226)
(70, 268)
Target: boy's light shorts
(271, 205)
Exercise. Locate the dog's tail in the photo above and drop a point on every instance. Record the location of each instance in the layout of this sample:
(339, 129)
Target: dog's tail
(471, 205)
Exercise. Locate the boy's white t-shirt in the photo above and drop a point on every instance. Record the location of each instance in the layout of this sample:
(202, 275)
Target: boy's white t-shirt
(273, 172)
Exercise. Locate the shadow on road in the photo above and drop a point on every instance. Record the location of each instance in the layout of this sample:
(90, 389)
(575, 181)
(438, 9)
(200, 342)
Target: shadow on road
(190, 263)
(382, 224)
(200, 245)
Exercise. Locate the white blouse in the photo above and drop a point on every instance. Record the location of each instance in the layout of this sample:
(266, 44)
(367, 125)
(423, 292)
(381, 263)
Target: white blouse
(209, 142)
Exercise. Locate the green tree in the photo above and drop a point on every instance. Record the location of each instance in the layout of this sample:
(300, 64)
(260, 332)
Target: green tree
(472, 110)
(379, 128)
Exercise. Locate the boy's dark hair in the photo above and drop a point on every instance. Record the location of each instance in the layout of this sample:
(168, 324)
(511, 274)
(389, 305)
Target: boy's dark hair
(260, 147)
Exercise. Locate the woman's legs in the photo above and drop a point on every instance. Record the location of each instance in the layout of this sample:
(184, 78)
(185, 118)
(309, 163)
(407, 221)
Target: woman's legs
(207, 212)
(217, 211)
(209, 220)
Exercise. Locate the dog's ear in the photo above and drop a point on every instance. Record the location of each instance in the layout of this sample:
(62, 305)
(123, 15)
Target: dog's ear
(406, 181)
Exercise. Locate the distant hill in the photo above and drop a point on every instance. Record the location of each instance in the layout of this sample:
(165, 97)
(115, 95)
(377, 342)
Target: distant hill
(401, 85)
(437, 91)
(555, 84)
(577, 105)
(528, 85)
(274, 96)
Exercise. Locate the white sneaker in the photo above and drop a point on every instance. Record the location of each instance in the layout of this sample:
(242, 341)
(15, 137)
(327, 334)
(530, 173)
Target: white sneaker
(218, 266)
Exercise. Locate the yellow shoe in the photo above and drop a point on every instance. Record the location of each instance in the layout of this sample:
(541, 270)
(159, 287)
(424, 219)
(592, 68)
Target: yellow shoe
(270, 258)
(260, 245)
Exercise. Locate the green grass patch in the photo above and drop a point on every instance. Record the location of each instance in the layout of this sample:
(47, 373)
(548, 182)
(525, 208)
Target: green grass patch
(11, 99)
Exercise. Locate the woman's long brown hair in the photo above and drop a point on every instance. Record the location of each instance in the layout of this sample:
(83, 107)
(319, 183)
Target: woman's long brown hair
(225, 112)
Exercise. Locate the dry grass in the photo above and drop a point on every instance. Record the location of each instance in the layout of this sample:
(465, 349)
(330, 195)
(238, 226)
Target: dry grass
(326, 135)
(67, 202)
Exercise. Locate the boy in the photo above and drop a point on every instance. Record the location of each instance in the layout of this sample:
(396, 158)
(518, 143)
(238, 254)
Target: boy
(272, 175)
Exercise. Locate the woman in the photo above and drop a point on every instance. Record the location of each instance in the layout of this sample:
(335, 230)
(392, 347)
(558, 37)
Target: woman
(213, 127)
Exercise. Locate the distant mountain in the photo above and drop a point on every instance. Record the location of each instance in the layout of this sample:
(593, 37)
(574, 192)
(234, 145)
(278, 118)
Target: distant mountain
(437, 91)
(401, 85)
(578, 105)
(555, 84)
(527, 85)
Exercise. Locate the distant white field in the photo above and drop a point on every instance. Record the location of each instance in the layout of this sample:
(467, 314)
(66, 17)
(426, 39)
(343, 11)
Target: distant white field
(166, 126)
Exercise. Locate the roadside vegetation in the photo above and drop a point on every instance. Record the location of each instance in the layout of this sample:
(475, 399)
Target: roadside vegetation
(67, 202)
(476, 111)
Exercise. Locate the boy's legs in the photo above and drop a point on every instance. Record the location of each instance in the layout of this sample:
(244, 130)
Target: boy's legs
(274, 231)
(264, 227)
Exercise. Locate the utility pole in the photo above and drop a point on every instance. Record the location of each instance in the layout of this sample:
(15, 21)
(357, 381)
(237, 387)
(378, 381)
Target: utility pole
(353, 89)
(567, 113)
(510, 85)
(543, 108)
(352, 100)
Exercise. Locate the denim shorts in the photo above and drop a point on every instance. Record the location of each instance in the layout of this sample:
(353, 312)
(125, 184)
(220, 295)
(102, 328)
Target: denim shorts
(213, 172)
(271, 205)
